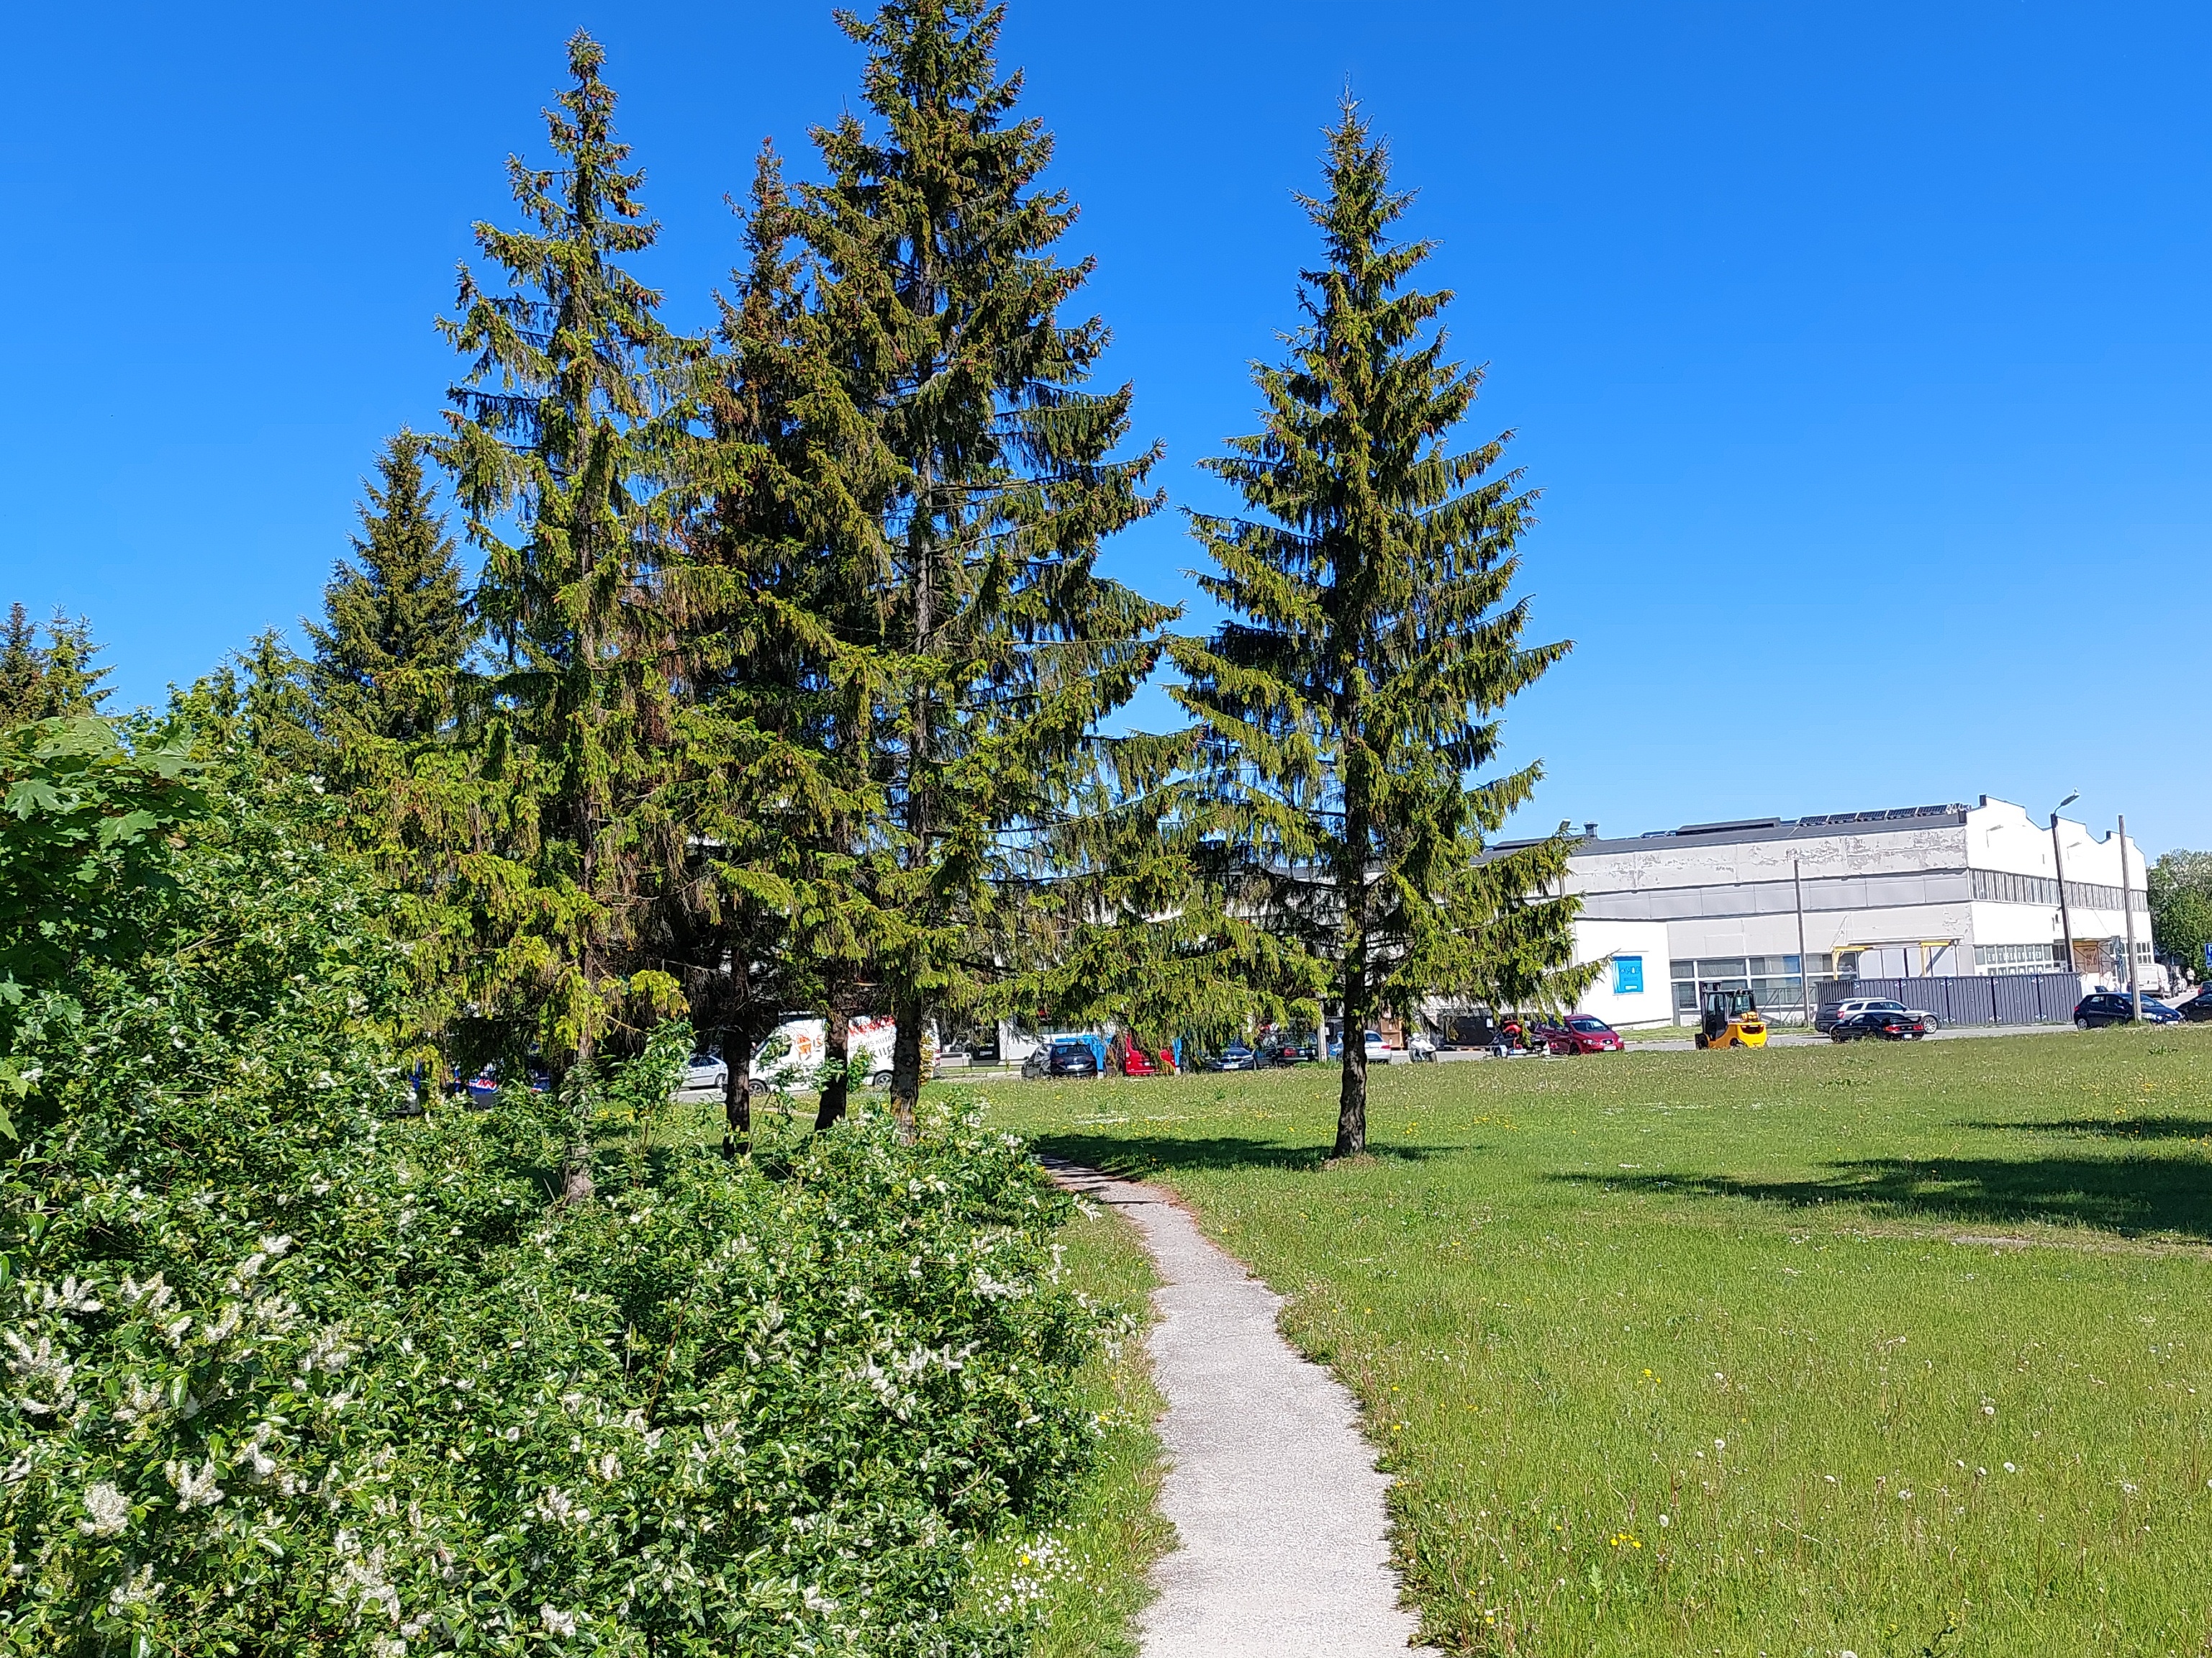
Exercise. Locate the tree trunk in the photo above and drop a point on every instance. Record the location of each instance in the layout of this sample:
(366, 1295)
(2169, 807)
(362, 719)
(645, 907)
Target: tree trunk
(906, 1064)
(576, 1184)
(1351, 1098)
(836, 1066)
(1351, 884)
(737, 1090)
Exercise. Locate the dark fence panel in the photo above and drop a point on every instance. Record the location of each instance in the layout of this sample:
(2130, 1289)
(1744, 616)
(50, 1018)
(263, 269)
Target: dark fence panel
(1991, 998)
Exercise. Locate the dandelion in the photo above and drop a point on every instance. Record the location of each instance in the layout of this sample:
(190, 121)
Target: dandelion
(1664, 1522)
(1720, 1444)
(109, 1508)
(2009, 1468)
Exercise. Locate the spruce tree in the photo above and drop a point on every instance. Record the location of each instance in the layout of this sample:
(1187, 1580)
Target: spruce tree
(55, 679)
(565, 432)
(932, 267)
(1371, 646)
(395, 631)
(771, 627)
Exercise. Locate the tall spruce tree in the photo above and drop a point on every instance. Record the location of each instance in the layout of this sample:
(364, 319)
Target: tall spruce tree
(52, 679)
(772, 625)
(932, 269)
(1371, 646)
(395, 631)
(565, 432)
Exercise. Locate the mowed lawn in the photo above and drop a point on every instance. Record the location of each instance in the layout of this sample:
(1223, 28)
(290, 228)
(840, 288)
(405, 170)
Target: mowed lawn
(1871, 1350)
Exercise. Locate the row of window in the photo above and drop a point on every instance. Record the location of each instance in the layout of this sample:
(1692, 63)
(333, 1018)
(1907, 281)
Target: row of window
(1709, 968)
(2050, 955)
(2002, 887)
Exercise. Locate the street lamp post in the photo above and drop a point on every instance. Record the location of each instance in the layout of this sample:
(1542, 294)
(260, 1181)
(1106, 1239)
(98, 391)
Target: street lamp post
(2058, 862)
(2128, 911)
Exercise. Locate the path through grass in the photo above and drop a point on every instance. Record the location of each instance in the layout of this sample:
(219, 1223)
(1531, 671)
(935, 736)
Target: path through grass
(1879, 1350)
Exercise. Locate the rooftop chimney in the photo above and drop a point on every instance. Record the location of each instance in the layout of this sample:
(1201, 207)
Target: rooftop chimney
(1590, 831)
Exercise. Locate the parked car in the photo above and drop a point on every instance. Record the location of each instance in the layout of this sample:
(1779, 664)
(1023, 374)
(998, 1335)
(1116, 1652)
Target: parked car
(1063, 1056)
(2198, 1008)
(1895, 1026)
(1828, 1017)
(705, 1071)
(483, 1088)
(1580, 1033)
(1133, 1061)
(1288, 1050)
(1238, 1056)
(2117, 1007)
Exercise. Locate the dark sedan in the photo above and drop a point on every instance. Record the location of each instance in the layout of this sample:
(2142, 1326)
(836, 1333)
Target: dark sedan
(1890, 1027)
(2117, 1007)
(1070, 1060)
(1235, 1057)
(2198, 1008)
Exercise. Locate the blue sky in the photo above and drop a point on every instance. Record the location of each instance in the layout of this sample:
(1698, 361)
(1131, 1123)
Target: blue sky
(1863, 354)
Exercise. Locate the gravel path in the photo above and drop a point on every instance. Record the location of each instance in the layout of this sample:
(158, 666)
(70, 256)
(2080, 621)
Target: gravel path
(1277, 1504)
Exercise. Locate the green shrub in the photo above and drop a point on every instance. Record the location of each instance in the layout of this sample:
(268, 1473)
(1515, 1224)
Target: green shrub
(293, 1370)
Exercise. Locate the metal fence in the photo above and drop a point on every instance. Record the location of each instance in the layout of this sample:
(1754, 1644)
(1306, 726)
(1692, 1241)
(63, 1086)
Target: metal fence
(1991, 998)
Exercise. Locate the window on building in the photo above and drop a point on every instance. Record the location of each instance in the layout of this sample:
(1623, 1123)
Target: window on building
(2019, 957)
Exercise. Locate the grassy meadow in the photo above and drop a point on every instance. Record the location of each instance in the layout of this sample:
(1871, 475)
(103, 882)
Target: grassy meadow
(1869, 1350)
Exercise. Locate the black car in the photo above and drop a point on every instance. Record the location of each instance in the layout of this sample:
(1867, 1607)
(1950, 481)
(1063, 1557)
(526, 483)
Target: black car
(2117, 1007)
(1064, 1058)
(1235, 1057)
(2198, 1008)
(1288, 1050)
(1891, 1027)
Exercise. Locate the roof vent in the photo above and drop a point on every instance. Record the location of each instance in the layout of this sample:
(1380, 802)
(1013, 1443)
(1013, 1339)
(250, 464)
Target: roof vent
(1729, 828)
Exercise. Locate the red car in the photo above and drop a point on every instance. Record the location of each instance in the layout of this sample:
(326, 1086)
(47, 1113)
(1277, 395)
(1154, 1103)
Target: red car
(1135, 1062)
(1580, 1034)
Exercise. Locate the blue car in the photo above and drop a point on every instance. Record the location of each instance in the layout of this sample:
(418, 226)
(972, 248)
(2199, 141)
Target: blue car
(2117, 1007)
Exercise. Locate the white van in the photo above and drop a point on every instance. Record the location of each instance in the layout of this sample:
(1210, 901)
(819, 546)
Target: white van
(792, 1054)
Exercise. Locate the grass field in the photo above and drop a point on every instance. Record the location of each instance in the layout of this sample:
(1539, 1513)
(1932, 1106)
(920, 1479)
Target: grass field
(1870, 1350)
(1087, 1575)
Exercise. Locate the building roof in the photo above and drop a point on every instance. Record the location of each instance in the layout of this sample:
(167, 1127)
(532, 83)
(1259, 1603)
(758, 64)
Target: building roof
(1737, 831)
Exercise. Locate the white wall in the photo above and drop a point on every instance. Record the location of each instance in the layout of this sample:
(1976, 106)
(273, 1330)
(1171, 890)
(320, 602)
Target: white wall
(1613, 943)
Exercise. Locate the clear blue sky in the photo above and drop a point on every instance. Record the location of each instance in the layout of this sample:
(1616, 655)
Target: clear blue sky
(1863, 354)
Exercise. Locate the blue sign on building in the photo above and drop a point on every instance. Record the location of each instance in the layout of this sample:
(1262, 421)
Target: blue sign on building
(1628, 974)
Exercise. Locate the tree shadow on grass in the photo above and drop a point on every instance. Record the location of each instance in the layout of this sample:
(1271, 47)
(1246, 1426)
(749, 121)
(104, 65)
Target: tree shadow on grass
(2127, 1196)
(2111, 1128)
(1133, 1156)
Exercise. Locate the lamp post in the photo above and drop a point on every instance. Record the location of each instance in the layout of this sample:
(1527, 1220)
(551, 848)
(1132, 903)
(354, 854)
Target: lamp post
(2058, 862)
(2128, 912)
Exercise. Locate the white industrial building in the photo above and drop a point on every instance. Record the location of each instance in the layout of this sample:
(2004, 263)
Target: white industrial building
(1922, 892)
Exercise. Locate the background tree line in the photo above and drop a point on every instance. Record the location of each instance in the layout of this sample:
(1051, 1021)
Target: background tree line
(785, 673)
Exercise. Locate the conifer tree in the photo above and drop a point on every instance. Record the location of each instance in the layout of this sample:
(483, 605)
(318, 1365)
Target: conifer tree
(565, 432)
(765, 599)
(1371, 648)
(54, 680)
(395, 631)
(932, 267)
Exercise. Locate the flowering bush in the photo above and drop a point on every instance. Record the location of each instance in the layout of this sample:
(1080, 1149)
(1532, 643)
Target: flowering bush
(289, 1370)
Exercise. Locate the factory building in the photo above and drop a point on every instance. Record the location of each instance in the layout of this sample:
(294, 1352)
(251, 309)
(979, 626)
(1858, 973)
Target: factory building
(1920, 891)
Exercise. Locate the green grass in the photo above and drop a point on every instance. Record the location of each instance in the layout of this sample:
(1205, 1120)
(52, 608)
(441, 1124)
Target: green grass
(1677, 1353)
(1084, 1581)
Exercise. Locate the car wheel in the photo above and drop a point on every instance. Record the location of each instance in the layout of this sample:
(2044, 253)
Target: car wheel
(1933, 1023)
(881, 1079)
(2081, 1023)
(1839, 1036)
(756, 1087)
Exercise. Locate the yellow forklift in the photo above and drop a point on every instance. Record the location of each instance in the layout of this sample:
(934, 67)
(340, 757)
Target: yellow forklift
(1731, 1020)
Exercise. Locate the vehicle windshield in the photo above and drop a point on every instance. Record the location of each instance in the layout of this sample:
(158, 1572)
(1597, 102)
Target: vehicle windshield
(1592, 1026)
